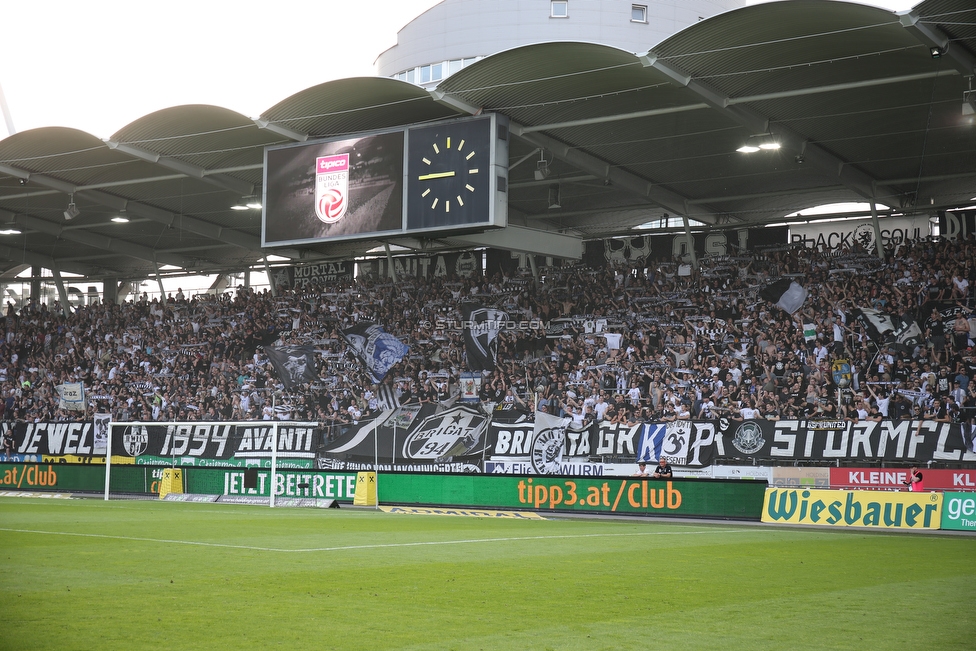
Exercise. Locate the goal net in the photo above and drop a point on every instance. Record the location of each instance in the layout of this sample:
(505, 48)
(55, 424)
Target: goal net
(253, 462)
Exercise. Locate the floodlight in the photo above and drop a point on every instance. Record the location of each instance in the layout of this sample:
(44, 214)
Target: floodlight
(542, 167)
(554, 196)
(765, 141)
(72, 211)
(969, 102)
(10, 228)
(247, 203)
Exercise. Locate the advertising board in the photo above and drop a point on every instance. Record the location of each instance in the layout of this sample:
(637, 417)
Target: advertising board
(739, 499)
(873, 509)
(895, 478)
(70, 477)
(959, 511)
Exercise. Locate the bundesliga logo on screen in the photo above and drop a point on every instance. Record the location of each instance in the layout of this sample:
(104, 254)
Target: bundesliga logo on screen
(331, 187)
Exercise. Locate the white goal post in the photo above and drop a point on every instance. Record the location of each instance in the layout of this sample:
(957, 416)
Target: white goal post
(189, 425)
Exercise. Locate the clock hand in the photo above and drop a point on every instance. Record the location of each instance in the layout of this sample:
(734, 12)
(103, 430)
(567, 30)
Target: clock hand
(435, 175)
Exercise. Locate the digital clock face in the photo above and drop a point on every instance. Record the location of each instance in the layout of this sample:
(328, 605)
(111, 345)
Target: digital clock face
(449, 174)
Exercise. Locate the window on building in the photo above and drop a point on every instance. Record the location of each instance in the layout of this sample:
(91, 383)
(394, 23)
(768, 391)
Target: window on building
(424, 74)
(638, 13)
(559, 9)
(436, 73)
(412, 76)
(453, 66)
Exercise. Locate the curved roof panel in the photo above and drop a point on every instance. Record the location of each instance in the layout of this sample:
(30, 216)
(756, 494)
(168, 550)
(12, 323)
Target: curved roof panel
(853, 94)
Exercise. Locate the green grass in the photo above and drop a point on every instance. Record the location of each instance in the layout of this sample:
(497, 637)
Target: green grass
(357, 579)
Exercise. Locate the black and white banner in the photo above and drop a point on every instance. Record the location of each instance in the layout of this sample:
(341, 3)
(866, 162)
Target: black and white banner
(463, 265)
(524, 448)
(321, 274)
(411, 438)
(55, 439)
(428, 438)
(214, 444)
(840, 440)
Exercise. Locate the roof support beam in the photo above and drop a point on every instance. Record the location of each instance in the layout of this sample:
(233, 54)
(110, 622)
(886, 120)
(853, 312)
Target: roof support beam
(527, 240)
(668, 199)
(87, 238)
(291, 134)
(454, 102)
(224, 181)
(186, 222)
(582, 161)
(755, 122)
(732, 101)
(26, 257)
(962, 59)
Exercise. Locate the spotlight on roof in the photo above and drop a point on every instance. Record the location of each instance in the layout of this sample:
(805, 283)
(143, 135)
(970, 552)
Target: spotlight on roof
(969, 102)
(554, 196)
(247, 203)
(937, 51)
(10, 228)
(72, 211)
(765, 141)
(542, 167)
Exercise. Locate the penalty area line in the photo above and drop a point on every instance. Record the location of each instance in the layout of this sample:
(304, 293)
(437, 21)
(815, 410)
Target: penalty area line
(340, 548)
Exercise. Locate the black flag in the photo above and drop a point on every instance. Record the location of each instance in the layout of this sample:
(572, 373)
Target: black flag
(481, 326)
(294, 364)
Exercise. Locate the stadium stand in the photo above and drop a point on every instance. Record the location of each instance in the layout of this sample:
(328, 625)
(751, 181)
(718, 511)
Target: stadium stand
(668, 346)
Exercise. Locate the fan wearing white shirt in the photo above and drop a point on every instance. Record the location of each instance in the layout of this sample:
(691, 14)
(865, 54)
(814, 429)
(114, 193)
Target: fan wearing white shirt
(748, 412)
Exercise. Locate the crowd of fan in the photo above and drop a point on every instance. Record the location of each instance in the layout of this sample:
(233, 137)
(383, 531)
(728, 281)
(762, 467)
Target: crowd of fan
(653, 341)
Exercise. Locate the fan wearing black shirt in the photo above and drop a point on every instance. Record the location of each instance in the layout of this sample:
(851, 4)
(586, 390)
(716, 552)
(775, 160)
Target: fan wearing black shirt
(663, 469)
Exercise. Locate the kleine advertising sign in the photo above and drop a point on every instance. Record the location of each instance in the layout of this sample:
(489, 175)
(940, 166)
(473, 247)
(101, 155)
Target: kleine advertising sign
(895, 478)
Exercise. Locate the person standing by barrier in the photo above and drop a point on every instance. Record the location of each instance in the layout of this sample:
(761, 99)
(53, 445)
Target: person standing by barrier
(8, 444)
(641, 470)
(663, 469)
(914, 481)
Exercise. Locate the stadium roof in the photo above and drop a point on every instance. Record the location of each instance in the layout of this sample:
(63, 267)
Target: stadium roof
(866, 103)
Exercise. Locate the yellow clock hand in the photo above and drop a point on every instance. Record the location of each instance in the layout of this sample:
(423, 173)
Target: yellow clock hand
(435, 175)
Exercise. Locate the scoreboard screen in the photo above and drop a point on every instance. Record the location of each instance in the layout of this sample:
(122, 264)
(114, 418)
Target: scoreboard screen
(449, 176)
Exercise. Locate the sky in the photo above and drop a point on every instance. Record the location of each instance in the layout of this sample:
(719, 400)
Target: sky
(97, 65)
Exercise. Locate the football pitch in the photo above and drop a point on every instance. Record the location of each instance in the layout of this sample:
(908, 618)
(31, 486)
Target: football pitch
(88, 574)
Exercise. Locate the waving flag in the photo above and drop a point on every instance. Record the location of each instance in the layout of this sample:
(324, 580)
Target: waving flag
(376, 348)
(889, 328)
(294, 365)
(481, 325)
(786, 294)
